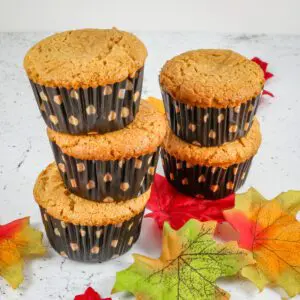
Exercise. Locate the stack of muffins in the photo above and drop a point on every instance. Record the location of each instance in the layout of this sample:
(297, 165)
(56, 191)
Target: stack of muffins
(105, 141)
(211, 98)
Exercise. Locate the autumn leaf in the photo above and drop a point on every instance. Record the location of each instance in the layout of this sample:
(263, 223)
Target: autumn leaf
(265, 92)
(190, 263)
(157, 103)
(17, 240)
(90, 294)
(267, 75)
(169, 205)
(264, 67)
(270, 230)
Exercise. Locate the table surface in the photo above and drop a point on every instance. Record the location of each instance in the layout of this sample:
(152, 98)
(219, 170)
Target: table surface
(25, 151)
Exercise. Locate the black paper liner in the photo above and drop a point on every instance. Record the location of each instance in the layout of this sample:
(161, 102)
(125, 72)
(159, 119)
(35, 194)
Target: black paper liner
(91, 243)
(91, 110)
(209, 126)
(202, 181)
(107, 181)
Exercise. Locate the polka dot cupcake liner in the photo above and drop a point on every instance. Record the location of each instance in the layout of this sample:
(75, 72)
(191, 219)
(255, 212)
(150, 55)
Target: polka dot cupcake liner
(106, 181)
(91, 243)
(204, 182)
(209, 126)
(92, 110)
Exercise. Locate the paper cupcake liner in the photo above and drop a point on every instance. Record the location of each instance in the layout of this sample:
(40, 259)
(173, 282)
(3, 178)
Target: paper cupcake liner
(92, 110)
(107, 181)
(209, 126)
(202, 181)
(91, 243)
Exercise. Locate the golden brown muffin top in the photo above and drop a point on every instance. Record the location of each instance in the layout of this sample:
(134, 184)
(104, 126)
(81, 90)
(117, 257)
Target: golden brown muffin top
(85, 58)
(140, 137)
(212, 78)
(222, 156)
(51, 194)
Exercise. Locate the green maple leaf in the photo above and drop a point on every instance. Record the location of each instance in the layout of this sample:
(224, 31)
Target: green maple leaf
(190, 263)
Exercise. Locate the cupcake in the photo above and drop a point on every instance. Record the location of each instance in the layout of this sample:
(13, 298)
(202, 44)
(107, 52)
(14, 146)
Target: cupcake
(87, 80)
(115, 166)
(209, 172)
(211, 96)
(85, 230)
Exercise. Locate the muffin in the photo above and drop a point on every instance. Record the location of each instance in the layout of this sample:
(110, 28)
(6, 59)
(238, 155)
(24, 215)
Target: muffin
(85, 230)
(115, 166)
(209, 172)
(211, 96)
(87, 80)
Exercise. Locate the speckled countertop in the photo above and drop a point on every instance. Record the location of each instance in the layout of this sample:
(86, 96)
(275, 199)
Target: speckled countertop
(25, 151)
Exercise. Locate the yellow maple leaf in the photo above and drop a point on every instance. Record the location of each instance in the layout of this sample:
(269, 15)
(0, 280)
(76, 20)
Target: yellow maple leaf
(270, 230)
(157, 103)
(17, 240)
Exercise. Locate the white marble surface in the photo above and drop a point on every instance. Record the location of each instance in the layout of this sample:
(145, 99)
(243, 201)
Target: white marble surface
(24, 151)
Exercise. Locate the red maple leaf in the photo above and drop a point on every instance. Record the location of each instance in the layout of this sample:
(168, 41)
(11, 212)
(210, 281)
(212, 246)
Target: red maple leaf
(267, 75)
(267, 93)
(90, 294)
(169, 205)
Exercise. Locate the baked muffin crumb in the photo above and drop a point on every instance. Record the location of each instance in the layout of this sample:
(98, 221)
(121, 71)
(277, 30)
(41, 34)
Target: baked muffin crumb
(212, 78)
(85, 58)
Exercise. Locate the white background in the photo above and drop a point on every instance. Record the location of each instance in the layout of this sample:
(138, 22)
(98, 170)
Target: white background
(248, 16)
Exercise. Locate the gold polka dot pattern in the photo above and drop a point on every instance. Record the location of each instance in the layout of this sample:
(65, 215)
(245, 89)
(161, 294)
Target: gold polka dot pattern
(91, 243)
(107, 181)
(43, 96)
(209, 182)
(91, 110)
(73, 121)
(112, 116)
(77, 111)
(107, 177)
(57, 99)
(53, 119)
(210, 126)
(80, 167)
(107, 90)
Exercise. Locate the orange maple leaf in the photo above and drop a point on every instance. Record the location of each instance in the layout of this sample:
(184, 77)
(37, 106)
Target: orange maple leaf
(17, 240)
(270, 230)
(157, 103)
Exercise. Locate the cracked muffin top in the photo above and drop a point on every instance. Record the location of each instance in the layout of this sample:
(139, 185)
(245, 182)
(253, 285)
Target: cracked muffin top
(140, 137)
(85, 58)
(212, 78)
(51, 194)
(222, 156)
